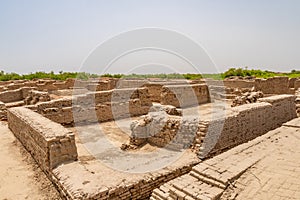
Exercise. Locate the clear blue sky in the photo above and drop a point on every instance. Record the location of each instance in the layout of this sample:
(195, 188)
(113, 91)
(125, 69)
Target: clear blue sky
(59, 34)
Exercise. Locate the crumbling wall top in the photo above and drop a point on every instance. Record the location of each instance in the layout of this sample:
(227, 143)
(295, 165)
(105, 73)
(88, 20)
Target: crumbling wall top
(49, 130)
(273, 99)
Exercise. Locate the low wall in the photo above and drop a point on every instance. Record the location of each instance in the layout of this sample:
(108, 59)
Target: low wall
(3, 111)
(15, 95)
(185, 95)
(297, 84)
(11, 96)
(275, 85)
(239, 83)
(155, 90)
(292, 82)
(97, 106)
(49, 143)
(135, 189)
(101, 86)
(50, 85)
(247, 122)
(40, 84)
(127, 83)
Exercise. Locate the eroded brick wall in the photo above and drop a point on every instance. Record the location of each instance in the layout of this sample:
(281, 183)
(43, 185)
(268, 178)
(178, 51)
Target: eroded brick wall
(3, 111)
(239, 83)
(275, 85)
(247, 122)
(15, 95)
(40, 84)
(185, 95)
(97, 106)
(297, 84)
(49, 143)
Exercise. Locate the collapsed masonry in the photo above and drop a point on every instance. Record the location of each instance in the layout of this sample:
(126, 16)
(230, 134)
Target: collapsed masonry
(247, 97)
(208, 137)
(166, 119)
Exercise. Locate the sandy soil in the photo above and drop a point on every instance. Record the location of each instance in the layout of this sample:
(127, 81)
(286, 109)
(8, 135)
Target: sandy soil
(20, 177)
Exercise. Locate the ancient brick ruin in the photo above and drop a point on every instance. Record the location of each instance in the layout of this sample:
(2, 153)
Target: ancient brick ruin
(195, 117)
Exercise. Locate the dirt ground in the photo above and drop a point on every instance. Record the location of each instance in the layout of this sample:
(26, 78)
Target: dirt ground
(20, 177)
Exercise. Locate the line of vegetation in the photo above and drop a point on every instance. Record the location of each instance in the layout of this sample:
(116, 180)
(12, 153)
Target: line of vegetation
(44, 75)
(240, 72)
(258, 73)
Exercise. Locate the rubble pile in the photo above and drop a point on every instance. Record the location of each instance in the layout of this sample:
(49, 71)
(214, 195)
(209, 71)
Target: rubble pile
(35, 96)
(247, 97)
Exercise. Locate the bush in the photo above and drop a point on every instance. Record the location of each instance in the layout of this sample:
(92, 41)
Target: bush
(256, 73)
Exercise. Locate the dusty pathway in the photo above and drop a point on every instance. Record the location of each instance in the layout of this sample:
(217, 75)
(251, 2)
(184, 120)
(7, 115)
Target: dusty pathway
(20, 178)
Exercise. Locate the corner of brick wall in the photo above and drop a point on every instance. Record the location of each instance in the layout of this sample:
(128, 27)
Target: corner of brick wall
(49, 143)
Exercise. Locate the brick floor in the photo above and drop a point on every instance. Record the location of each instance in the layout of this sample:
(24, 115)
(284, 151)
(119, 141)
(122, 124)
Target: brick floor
(267, 167)
(277, 175)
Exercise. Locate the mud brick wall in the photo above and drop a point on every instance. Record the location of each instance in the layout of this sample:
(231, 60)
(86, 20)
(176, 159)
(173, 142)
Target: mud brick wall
(49, 143)
(97, 106)
(155, 90)
(69, 92)
(297, 84)
(129, 189)
(292, 82)
(15, 86)
(15, 95)
(239, 83)
(247, 122)
(60, 85)
(185, 95)
(144, 188)
(81, 83)
(275, 85)
(11, 96)
(3, 111)
(125, 83)
(283, 108)
(59, 110)
(101, 86)
(46, 86)
(114, 104)
(2, 88)
(2, 83)
(50, 85)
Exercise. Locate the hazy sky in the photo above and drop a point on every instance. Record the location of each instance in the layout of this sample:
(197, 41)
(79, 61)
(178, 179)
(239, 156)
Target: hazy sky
(59, 34)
